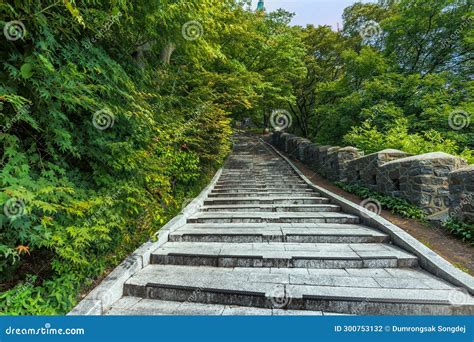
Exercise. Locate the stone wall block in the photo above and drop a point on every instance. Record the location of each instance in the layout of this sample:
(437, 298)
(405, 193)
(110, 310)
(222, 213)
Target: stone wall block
(336, 163)
(284, 141)
(365, 169)
(422, 179)
(461, 194)
(310, 155)
(303, 144)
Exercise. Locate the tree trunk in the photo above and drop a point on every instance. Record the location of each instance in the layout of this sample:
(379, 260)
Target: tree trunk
(166, 52)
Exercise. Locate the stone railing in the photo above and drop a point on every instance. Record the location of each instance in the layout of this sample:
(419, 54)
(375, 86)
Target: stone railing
(434, 182)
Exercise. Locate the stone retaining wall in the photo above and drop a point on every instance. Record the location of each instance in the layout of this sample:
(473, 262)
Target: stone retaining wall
(366, 170)
(432, 181)
(422, 179)
(461, 194)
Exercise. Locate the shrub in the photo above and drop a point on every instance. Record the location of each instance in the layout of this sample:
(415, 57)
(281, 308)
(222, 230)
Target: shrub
(396, 205)
(460, 229)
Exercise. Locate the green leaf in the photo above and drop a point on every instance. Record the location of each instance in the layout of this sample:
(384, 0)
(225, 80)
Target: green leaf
(26, 70)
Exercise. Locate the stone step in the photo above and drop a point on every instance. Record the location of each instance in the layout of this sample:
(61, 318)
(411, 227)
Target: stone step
(237, 234)
(337, 290)
(266, 200)
(271, 174)
(255, 217)
(258, 191)
(287, 194)
(267, 173)
(256, 185)
(273, 208)
(263, 186)
(283, 254)
(280, 226)
(262, 167)
(136, 306)
(276, 180)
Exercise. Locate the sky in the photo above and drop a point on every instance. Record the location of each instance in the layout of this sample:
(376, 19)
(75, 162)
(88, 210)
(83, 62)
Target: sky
(316, 12)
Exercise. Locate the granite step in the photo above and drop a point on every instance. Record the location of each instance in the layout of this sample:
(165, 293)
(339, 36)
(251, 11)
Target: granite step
(261, 186)
(257, 185)
(334, 290)
(267, 200)
(273, 208)
(283, 254)
(288, 194)
(238, 233)
(273, 177)
(136, 306)
(283, 217)
(262, 190)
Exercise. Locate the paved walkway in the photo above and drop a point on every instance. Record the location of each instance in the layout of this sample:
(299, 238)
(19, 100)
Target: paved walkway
(266, 243)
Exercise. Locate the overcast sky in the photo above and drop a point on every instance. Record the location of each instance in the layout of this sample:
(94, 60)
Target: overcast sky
(317, 12)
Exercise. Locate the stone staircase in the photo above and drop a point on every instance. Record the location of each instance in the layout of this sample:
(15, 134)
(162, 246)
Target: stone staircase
(265, 242)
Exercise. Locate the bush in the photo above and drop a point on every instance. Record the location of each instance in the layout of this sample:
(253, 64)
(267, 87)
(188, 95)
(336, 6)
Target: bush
(460, 229)
(91, 166)
(369, 139)
(396, 205)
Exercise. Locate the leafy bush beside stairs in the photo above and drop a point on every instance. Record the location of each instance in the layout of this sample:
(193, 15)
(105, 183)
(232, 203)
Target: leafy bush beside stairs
(79, 199)
(403, 208)
(45, 294)
(396, 205)
(461, 230)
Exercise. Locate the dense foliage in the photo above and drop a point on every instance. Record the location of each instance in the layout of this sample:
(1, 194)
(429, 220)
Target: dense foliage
(399, 75)
(113, 113)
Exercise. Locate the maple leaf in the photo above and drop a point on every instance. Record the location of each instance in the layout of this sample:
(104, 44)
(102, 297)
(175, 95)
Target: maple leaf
(23, 249)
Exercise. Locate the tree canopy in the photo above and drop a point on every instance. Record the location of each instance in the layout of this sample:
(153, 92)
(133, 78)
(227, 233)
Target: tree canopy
(399, 75)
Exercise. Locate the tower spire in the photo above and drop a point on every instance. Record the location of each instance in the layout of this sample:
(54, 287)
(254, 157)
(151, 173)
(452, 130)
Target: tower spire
(260, 6)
